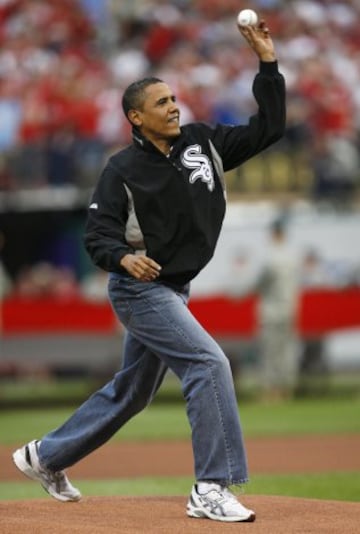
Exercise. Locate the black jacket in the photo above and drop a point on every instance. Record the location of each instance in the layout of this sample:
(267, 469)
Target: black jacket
(172, 208)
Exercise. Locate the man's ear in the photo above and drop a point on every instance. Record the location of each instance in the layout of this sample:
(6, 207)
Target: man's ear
(134, 117)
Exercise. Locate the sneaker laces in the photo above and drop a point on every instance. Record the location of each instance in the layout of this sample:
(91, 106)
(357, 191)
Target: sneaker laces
(216, 495)
(223, 497)
(220, 495)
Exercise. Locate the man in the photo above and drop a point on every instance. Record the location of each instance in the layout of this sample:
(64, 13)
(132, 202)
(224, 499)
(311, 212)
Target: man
(278, 288)
(154, 221)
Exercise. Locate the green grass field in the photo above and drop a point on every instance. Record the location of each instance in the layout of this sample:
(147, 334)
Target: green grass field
(168, 421)
(319, 416)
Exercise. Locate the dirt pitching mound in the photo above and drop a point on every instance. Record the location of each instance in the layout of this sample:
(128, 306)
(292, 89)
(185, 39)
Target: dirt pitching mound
(150, 515)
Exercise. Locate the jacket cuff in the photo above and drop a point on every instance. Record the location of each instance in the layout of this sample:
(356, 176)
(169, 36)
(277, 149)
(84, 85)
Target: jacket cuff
(117, 257)
(268, 67)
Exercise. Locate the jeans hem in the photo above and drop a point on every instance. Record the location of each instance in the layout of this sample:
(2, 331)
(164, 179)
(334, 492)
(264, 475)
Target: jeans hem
(224, 482)
(239, 482)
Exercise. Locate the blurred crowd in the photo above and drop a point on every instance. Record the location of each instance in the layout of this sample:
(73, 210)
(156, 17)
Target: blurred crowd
(65, 64)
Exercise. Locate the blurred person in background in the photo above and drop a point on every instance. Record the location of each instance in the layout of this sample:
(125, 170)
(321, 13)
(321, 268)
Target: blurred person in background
(314, 274)
(153, 223)
(278, 288)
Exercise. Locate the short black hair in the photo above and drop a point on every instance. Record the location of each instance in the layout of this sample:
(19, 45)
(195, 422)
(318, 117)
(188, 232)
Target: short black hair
(133, 97)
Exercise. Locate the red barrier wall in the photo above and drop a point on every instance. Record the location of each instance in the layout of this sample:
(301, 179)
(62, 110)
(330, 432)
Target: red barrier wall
(320, 311)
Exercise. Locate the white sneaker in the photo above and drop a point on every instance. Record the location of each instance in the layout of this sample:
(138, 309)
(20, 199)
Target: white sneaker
(218, 504)
(54, 482)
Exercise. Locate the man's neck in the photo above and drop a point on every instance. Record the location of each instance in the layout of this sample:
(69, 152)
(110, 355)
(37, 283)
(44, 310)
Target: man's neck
(163, 145)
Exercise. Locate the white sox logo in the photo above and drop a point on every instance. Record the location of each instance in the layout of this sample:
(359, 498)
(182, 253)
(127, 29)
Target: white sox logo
(193, 159)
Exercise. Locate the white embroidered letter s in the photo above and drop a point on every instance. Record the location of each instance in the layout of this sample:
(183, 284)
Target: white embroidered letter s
(192, 158)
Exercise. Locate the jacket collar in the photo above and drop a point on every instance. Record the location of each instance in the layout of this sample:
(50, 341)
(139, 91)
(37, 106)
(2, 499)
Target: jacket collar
(143, 143)
(139, 140)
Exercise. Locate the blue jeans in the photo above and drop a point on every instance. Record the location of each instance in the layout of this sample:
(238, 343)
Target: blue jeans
(161, 333)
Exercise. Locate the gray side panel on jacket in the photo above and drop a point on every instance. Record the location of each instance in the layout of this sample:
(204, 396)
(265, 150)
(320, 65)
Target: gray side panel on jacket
(133, 234)
(218, 166)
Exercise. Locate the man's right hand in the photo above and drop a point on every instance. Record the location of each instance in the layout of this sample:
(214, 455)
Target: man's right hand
(260, 41)
(141, 267)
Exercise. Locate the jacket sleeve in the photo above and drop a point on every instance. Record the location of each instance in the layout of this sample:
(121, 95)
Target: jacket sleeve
(239, 143)
(104, 236)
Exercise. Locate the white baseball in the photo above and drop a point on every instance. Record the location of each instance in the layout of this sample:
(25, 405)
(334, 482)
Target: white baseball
(247, 17)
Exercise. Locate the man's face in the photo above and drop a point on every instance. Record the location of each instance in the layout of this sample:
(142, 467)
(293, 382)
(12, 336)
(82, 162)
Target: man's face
(159, 117)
